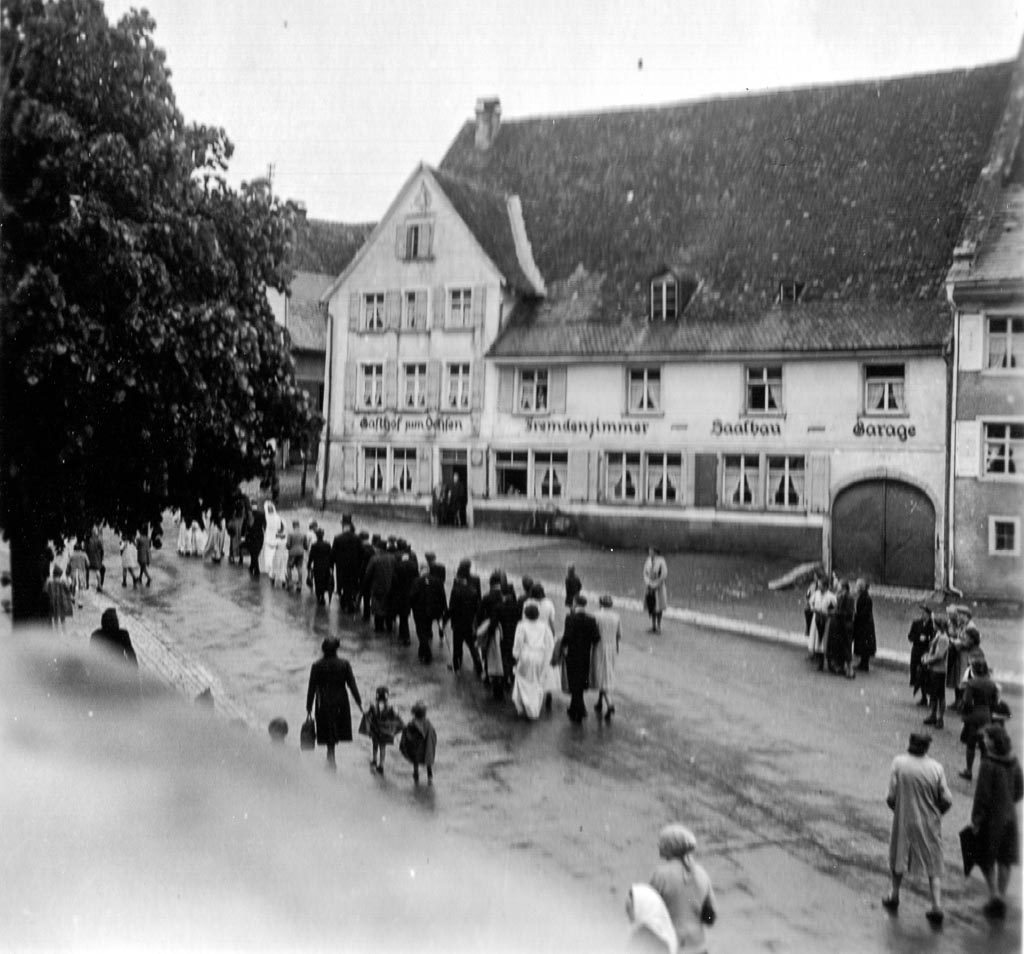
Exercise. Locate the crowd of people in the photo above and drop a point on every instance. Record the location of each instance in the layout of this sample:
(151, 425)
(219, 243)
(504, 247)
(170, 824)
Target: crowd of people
(839, 625)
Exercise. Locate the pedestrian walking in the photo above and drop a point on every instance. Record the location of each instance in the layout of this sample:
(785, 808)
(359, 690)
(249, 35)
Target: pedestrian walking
(406, 574)
(918, 797)
(922, 631)
(129, 560)
(273, 536)
(604, 656)
(546, 606)
(111, 638)
(980, 697)
(531, 649)
(216, 537)
(347, 555)
(934, 664)
(509, 614)
(94, 551)
(655, 587)
(458, 501)
(438, 569)
(59, 599)
(823, 604)
(382, 724)
(236, 529)
(956, 659)
(279, 556)
(144, 554)
(488, 636)
(418, 743)
(296, 545)
(429, 606)
(254, 537)
(685, 887)
(320, 568)
(653, 931)
(463, 605)
(579, 637)
(994, 816)
(864, 643)
(330, 682)
(573, 586)
(380, 573)
(78, 572)
(841, 637)
(370, 548)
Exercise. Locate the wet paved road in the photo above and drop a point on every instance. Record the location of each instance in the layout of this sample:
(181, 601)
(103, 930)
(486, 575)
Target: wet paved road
(782, 772)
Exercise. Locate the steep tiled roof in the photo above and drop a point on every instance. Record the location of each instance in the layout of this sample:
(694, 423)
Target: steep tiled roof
(858, 191)
(327, 247)
(486, 214)
(307, 325)
(1000, 257)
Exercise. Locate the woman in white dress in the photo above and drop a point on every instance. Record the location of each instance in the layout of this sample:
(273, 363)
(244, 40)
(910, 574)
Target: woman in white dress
(546, 609)
(532, 650)
(273, 538)
(823, 606)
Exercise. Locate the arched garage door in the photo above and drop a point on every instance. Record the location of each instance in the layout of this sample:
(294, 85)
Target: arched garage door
(884, 530)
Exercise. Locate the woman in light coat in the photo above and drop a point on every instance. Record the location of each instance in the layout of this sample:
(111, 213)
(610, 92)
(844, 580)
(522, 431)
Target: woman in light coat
(655, 586)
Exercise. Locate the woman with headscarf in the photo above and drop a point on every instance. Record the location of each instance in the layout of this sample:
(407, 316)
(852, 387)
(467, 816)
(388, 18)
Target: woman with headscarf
(994, 816)
(656, 586)
(979, 699)
(531, 650)
(653, 932)
(330, 681)
(273, 537)
(685, 888)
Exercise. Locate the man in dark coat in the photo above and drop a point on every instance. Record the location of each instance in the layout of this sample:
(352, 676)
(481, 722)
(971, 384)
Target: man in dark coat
(347, 555)
(113, 639)
(510, 613)
(462, 611)
(320, 566)
(438, 569)
(459, 499)
(380, 573)
(580, 636)
(490, 649)
(922, 630)
(254, 540)
(406, 572)
(428, 604)
(864, 644)
(330, 682)
(368, 549)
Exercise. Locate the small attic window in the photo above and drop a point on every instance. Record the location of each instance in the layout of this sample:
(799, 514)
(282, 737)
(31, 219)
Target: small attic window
(789, 291)
(664, 298)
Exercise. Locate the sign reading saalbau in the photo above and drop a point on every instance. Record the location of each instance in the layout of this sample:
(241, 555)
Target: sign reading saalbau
(408, 424)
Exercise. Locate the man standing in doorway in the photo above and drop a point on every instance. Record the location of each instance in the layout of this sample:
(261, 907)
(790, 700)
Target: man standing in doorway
(459, 499)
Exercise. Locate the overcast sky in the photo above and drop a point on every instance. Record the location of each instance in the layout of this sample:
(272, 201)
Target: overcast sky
(344, 97)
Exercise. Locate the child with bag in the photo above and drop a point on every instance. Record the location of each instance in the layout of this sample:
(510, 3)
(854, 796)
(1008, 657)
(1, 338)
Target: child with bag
(419, 743)
(381, 723)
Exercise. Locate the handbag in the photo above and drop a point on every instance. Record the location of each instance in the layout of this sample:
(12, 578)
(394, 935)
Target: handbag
(968, 849)
(307, 735)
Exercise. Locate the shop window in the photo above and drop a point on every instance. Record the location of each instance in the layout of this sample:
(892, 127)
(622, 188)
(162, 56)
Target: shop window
(533, 390)
(785, 481)
(511, 469)
(1004, 536)
(414, 386)
(622, 480)
(1004, 446)
(373, 311)
(457, 387)
(884, 387)
(372, 385)
(549, 471)
(460, 307)
(403, 469)
(644, 391)
(375, 462)
(664, 477)
(742, 486)
(1005, 343)
(764, 390)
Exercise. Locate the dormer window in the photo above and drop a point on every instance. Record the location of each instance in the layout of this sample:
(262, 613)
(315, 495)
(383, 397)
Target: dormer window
(664, 298)
(789, 291)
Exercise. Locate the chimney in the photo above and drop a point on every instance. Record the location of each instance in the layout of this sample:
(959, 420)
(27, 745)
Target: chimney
(488, 119)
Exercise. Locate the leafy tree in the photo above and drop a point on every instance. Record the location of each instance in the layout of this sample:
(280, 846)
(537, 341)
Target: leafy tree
(141, 365)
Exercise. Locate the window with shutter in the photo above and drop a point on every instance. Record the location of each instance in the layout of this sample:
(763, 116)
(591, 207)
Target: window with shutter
(967, 452)
(349, 467)
(479, 305)
(1003, 449)
(456, 388)
(971, 351)
(820, 492)
(1004, 343)
(506, 389)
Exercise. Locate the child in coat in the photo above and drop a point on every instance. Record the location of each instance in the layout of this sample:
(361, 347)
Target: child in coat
(419, 742)
(381, 723)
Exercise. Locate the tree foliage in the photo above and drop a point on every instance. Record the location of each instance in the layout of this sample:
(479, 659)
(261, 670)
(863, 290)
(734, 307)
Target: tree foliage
(141, 364)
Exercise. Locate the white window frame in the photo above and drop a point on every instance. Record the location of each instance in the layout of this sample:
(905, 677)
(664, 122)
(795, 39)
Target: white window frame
(625, 460)
(664, 298)
(409, 309)
(414, 385)
(373, 452)
(396, 470)
(662, 464)
(1007, 336)
(757, 495)
(534, 391)
(765, 380)
(460, 382)
(371, 372)
(645, 375)
(459, 307)
(373, 317)
(788, 471)
(516, 457)
(993, 522)
(541, 462)
(892, 386)
(414, 244)
(1014, 447)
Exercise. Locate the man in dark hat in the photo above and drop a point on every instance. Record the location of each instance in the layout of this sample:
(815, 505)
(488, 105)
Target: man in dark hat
(320, 565)
(330, 681)
(463, 605)
(406, 572)
(112, 638)
(580, 636)
(919, 797)
(438, 569)
(346, 555)
(920, 636)
(428, 604)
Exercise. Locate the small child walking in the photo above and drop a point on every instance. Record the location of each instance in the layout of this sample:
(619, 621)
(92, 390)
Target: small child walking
(382, 724)
(419, 742)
